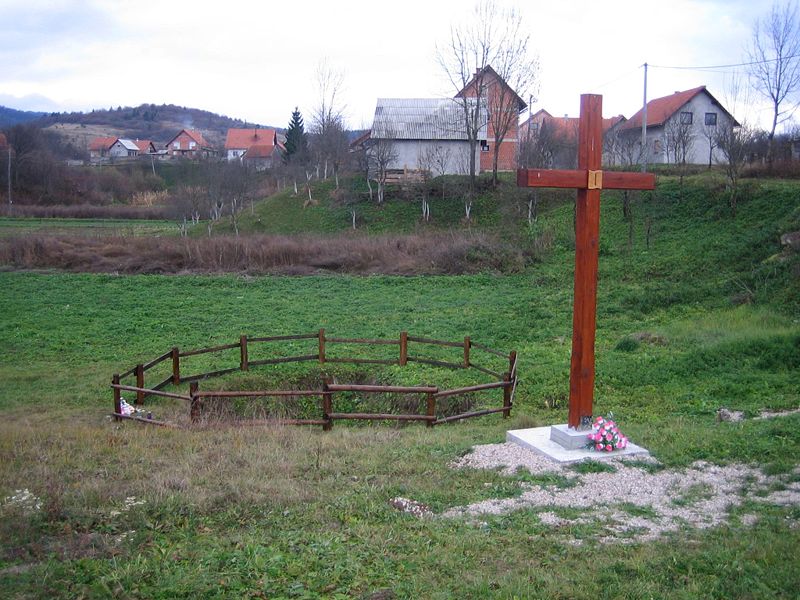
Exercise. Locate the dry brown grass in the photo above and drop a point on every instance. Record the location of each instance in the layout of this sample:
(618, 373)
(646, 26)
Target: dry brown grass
(451, 253)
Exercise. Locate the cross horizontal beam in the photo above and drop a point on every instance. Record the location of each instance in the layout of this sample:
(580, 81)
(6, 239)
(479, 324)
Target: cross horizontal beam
(563, 178)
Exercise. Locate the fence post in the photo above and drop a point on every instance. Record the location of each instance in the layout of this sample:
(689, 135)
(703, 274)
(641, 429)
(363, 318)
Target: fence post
(507, 395)
(403, 348)
(512, 363)
(321, 346)
(467, 346)
(176, 366)
(139, 383)
(194, 402)
(243, 364)
(117, 397)
(431, 412)
(327, 402)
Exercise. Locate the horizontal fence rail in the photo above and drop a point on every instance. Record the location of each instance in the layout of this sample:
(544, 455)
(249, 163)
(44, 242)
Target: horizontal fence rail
(507, 380)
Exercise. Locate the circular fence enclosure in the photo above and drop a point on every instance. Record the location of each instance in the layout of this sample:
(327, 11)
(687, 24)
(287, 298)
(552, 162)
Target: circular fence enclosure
(465, 353)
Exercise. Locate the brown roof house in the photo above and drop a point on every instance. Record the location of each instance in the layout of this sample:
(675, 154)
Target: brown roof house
(258, 147)
(189, 143)
(503, 108)
(682, 127)
(554, 140)
(99, 147)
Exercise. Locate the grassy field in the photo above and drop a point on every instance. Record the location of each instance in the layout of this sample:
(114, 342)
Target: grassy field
(95, 227)
(696, 315)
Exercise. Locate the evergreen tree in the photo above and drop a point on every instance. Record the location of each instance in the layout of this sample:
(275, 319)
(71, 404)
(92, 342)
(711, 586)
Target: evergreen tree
(296, 140)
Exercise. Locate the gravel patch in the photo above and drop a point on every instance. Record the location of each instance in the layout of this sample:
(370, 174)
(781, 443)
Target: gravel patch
(771, 414)
(630, 504)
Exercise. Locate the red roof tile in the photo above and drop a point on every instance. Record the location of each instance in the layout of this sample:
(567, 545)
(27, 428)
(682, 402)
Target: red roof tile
(259, 151)
(143, 145)
(102, 143)
(661, 109)
(246, 138)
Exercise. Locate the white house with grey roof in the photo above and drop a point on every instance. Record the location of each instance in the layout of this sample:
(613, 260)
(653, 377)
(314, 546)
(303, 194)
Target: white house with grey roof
(426, 134)
(123, 148)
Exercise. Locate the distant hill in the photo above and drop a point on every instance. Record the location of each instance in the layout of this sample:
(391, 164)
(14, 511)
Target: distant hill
(146, 121)
(12, 116)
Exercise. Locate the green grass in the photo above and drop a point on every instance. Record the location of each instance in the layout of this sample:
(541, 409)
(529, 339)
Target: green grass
(57, 226)
(295, 513)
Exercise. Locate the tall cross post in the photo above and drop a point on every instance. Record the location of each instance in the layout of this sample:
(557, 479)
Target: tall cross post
(588, 179)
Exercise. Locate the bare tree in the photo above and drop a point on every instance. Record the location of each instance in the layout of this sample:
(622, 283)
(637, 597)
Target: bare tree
(710, 133)
(775, 69)
(735, 144)
(327, 121)
(382, 154)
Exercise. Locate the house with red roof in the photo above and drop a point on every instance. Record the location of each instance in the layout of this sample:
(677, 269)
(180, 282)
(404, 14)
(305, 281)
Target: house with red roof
(695, 115)
(258, 146)
(145, 147)
(188, 143)
(99, 147)
(500, 99)
(556, 138)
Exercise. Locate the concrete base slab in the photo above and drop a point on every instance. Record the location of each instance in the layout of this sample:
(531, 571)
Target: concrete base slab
(569, 438)
(538, 440)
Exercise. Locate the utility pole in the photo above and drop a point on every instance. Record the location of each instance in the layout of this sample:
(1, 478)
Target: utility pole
(9, 175)
(644, 123)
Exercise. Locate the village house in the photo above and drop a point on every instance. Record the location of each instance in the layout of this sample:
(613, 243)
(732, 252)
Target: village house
(99, 147)
(552, 142)
(189, 143)
(419, 134)
(258, 147)
(503, 108)
(145, 147)
(682, 127)
(122, 148)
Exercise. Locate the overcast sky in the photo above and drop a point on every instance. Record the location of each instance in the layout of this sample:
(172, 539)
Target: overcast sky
(257, 60)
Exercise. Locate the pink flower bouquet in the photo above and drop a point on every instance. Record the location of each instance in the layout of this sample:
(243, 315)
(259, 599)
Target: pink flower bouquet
(606, 436)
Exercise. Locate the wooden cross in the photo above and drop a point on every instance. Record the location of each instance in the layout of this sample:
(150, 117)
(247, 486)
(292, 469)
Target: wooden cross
(588, 179)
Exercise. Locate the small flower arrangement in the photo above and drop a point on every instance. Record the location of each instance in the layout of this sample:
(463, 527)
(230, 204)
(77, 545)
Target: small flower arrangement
(606, 436)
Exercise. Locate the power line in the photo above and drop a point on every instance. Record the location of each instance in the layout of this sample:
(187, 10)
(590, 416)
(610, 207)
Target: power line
(744, 64)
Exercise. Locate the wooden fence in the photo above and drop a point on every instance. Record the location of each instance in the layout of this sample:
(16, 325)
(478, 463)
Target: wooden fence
(505, 380)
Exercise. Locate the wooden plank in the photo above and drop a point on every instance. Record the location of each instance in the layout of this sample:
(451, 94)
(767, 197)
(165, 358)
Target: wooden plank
(394, 389)
(195, 404)
(380, 417)
(431, 410)
(361, 341)
(116, 395)
(285, 359)
(207, 350)
(256, 393)
(176, 366)
(277, 421)
(281, 338)
(321, 346)
(327, 404)
(127, 373)
(131, 388)
(472, 388)
(200, 376)
(423, 340)
(487, 371)
(143, 420)
(507, 395)
(243, 364)
(467, 345)
(163, 384)
(487, 349)
(437, 363)
(362, 361)
(469, 415)
(618, 180)
(553, 178)
(403, 348)
(139, 384)
(155, 361)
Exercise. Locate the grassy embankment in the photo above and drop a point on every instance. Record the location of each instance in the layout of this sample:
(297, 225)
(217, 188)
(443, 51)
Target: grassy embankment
(298, 513)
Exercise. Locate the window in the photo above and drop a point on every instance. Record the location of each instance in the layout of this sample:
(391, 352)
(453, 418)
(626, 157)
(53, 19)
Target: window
(484, 146)
(536, 127)
(656, 146)
(192, 145)
(176, 145)
(711, 119)
(686, 118)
